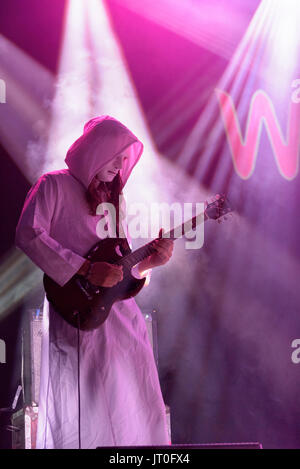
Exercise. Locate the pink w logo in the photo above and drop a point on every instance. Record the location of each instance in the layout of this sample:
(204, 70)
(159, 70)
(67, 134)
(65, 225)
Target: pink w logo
(244, 151)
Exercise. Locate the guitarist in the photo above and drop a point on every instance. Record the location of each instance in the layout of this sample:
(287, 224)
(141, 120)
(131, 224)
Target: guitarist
(120, 395)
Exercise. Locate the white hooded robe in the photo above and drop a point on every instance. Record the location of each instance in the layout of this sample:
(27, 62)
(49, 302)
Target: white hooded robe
(121, 400)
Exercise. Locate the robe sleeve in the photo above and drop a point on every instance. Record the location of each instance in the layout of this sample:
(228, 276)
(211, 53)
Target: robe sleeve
(32, 233)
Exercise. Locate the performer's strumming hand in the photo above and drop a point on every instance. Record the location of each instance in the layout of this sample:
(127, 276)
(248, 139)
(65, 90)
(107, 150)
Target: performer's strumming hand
(104, 274)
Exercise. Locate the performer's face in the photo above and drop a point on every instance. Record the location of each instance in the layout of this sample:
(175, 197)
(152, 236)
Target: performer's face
(109, 171)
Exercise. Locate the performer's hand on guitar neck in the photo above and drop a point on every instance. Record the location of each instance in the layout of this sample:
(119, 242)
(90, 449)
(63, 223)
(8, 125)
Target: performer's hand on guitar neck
(102, 273)
(164, 249)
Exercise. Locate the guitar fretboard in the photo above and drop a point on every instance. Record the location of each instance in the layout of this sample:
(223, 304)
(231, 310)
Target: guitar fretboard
(141, 253)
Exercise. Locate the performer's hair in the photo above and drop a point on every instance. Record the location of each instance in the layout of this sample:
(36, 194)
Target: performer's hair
(105, 192)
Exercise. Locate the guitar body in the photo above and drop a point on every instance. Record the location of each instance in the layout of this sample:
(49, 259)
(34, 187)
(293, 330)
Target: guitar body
(85, 305)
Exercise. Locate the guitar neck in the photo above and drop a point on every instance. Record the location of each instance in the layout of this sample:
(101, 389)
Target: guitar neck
(141, 253)
(187, 226)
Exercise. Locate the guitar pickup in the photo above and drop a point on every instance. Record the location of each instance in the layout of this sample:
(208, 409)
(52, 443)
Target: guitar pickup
(83, 289)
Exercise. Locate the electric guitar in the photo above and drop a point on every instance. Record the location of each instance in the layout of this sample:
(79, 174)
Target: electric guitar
(86, 306)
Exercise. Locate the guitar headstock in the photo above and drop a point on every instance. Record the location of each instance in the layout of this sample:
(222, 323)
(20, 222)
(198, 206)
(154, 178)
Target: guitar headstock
(218, 208)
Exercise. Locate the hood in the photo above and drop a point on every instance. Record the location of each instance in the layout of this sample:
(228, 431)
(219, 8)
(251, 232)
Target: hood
(103, 138)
